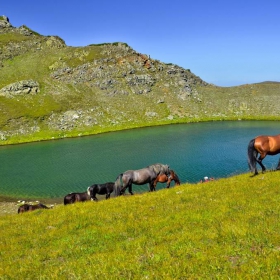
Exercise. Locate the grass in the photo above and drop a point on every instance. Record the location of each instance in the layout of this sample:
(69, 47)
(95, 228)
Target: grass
(225, 229)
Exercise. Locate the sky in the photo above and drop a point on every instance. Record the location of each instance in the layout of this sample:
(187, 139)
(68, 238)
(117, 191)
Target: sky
(224, 42)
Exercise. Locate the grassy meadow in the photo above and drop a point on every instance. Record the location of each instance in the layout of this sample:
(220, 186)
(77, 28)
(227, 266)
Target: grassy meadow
(224, 229)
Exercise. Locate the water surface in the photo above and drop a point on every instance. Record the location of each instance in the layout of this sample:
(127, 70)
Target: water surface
(52, 169)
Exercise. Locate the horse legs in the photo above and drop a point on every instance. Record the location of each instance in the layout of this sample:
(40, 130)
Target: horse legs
(259, 161)
(152, 187)
(168, 182)
(278, 166)
(94, 197)
(130, 188)
(107, 195)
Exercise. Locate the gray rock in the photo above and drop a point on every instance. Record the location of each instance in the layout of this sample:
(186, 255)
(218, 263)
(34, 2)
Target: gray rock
(4, 22)
(20, 88)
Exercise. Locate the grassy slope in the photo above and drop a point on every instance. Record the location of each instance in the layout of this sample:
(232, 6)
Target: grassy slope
(225, 229)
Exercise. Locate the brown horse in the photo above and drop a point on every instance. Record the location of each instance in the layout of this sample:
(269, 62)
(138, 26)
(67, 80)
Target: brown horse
(26, 207)
(263, 145)
(162, 178)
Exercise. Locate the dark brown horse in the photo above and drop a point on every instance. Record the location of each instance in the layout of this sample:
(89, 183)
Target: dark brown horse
(76, 197)
(162, 178)
(26, 207)
(263, 145)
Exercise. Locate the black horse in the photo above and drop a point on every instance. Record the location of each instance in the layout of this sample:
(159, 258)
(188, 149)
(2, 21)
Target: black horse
(76, 197)
(106, 188)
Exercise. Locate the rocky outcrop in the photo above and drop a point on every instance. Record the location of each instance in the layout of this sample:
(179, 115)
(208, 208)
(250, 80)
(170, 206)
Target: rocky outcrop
(85, 89)
(4, 22)
(20, 88)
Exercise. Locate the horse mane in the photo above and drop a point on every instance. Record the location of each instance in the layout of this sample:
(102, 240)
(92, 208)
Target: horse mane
(155, 167)
(158, 167)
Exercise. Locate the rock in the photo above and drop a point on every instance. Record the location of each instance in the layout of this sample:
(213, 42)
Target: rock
(20, 88)
(55, 42)
(4, 22)
(24, 30)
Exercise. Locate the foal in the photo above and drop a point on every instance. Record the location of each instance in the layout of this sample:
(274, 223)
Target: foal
(162, 178)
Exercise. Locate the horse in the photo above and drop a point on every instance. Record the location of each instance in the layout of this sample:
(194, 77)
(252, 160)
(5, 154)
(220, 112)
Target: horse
(26, 207)
(162, 178)
(142, 176)
(106, 188)
(76, 197)
(263, 145)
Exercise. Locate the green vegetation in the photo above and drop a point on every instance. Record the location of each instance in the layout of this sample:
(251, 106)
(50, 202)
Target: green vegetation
(109, 87)
(225, 229)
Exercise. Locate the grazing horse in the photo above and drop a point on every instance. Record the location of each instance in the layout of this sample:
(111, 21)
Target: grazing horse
(31, 207)
(142, 176)
(263, 145)
(162, 178)
(106, 188)
(76, 197)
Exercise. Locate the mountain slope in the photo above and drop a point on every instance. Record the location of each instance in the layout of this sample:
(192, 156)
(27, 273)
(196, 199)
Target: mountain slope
(50, 90)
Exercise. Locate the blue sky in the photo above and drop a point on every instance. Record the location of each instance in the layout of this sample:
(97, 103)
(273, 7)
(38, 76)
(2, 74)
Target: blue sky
(224, 42)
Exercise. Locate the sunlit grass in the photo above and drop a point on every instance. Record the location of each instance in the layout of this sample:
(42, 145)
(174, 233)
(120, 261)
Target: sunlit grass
(225, 228)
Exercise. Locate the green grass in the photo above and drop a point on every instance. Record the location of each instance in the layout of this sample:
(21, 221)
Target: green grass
(225, 229)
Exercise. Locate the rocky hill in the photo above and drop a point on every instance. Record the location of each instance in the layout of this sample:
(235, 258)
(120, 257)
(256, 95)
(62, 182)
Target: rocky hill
(51, 90)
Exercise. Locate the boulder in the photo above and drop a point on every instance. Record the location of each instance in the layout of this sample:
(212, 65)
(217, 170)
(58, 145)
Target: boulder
(20, 88)
(4, 22)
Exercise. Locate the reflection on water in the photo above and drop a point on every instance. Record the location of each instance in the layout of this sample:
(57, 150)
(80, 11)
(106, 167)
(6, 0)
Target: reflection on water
(54, 168)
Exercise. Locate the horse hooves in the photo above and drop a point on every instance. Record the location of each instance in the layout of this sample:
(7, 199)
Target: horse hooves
(253, 175)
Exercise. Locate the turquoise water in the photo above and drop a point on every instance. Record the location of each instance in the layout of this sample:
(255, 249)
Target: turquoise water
(52, 169)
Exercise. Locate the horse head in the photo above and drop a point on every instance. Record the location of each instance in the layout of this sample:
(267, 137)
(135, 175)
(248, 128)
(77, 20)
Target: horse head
(88, 191)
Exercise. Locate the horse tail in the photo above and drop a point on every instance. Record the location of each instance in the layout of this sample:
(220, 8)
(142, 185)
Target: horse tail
(252, 155)
(118, 185)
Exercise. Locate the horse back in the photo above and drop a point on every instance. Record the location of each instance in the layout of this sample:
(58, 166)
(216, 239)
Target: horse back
(81, 196)
(102, 188)
(274, 144)
(267, 144)
(110, 186)
(140, 176)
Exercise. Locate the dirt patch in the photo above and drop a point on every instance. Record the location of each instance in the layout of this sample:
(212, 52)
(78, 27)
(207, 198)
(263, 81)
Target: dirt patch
(7, 208)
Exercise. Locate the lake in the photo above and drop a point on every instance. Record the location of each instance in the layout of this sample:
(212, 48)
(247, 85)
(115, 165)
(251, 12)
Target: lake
(51, 169)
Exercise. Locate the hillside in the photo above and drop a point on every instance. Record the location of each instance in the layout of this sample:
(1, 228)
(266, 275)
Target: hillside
(224, 229)
(50, 90)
